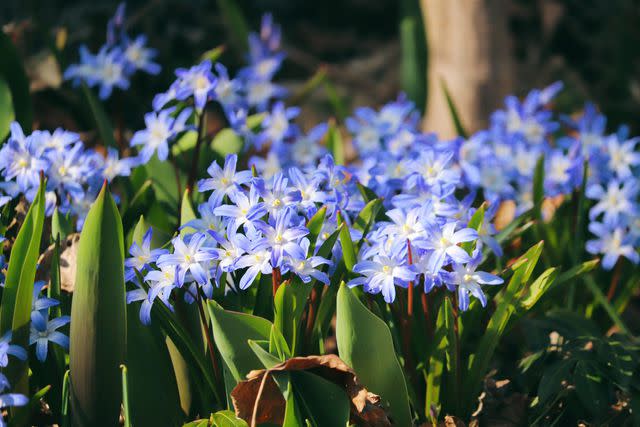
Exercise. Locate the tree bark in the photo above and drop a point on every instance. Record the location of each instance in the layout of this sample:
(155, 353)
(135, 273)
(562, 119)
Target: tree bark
(469, 49)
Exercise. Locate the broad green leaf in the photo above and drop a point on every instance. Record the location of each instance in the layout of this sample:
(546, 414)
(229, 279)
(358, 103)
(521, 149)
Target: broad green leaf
(231, 332)
(98, 341)
(452, 352)
(322, 402)
(592, 388)
(6, 109)
(100, 118)
(227, 419)
(167, 184)
(552, 379)
(289, 303)
(14, 75)
(17, 297)
(267, 359)
(184, 143)
(365, 344)
(153, 390)
(292, 415)
(453, 110)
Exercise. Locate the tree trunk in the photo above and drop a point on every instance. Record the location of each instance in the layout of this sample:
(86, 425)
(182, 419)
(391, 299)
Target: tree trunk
(469, 49)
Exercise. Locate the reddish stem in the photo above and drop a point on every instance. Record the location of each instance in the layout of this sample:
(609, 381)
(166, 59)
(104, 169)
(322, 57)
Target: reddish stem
(410, 290)
(209, 337)
(276, 277)
(615, 279)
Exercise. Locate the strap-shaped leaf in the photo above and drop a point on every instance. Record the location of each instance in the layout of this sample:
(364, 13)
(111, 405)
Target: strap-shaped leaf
(98, 331)
(365, 344)
(17, 297)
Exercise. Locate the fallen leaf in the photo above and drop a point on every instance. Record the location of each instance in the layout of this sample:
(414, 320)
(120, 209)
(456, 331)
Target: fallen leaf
(365, 406)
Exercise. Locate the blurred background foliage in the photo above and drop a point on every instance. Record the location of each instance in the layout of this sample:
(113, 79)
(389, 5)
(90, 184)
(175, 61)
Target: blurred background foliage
(369, 50)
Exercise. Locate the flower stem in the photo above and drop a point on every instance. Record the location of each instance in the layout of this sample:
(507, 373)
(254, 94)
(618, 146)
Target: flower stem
(615, 279)
(275, 279)
(209, 337)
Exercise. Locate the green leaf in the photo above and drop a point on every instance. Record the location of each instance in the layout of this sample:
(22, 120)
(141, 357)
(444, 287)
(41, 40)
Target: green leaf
(278, 345)
(367, 216)
(339, 108)
(535, 291)
(575, 271)
(292, 414)
(267, 359)
(231, 332)
(348, 250)
(6, 109)
(591, 388)
(60, 225)
(475, 222)
(236, 23)
(335, 144)
(507, 302)
(227, 141)
(315, 395)
(153, 390)
(98, 341)
(227, 419)
(538, 188)
(100, 118)
(187, 213)
(413, 67)
(289, 303)
(14, 75)
(315, 226)
(437, 359)
(455, 116)
(552, 379)
(365, 344)
(367, 193)
(15, 311)
(213, 54)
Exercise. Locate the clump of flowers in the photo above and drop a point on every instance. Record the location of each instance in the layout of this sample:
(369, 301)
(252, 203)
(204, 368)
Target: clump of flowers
(73, 173)
(116, 61)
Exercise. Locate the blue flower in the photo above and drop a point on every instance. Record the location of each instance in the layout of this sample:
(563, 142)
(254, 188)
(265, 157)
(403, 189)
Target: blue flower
(615, 201)
(306, 268)
(278, 195)
(139, 57)
(223, 180)
(189, 257)
(444, 242)
(612, 243)
(381, 274)
(21, 158)
(142, 256)
(245, 210)
(283, 236)
(7, 349)
(469, 281)
(276, 126)
(197, 81)
(257, 260)
(161, 127)
(43, 331)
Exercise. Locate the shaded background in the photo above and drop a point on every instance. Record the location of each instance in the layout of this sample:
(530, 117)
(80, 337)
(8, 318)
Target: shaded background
(482, 49)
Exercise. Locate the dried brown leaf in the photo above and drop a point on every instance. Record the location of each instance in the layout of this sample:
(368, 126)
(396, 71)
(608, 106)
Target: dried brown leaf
(365, 406)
